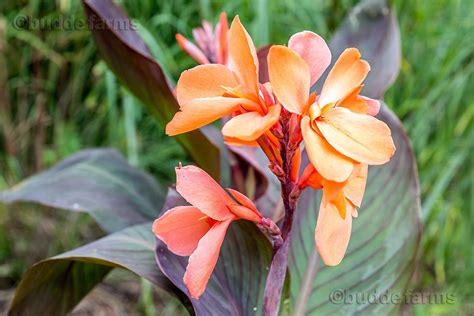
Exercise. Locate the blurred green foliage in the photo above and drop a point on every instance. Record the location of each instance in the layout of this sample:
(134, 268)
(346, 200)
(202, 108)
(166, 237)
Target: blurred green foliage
(57, 97)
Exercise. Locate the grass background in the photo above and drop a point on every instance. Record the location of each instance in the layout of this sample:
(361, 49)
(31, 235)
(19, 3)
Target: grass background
(57, 97)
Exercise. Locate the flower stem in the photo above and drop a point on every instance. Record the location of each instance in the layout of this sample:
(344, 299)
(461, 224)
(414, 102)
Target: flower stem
(289, 192)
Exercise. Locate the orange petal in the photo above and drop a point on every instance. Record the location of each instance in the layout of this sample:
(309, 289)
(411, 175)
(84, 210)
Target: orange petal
(348, 72)
(332, 192)
(332, 234)
(295, 165)
(290, 78)
(181, 228)
(204, 81)
(200, 190)
(353, 102)
(242, 59)
(330, 164)
(354, 190)
(191, 49)
(310, 177)
(222, 29)
(251, 125)
(244, 212)
(358, 136)
(199, 112)
(203, 261)
(231, 141)
(245, 201)
(314, 50)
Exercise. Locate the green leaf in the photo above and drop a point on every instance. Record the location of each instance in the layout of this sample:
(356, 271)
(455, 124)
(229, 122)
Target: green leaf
(97, 181)
(384, 242)
(55, 285)
(130, 59)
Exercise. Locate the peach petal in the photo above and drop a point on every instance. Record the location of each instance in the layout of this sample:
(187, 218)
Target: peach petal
(199, 112)
(191, 49)
(204, 81)
(358, 136)
(231, 141)
(243, 212)
(251, 125)
(290, 78)
(314, 50)
(244, 200)
(242, 59)
(332, 234)
(354, 190)
(222, 30)
(181, 228)
(373, 106)
(329, 163)
(203, 261)
(202, 191)
(348, 73)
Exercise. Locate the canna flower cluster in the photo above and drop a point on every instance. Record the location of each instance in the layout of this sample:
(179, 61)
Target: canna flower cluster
(335, 128)
(198, 230)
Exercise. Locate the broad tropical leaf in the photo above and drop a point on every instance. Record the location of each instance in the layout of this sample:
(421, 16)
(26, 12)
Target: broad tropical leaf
(97, 181)
(130, 59)
(54, 286)
(382, 251)
(236, 286)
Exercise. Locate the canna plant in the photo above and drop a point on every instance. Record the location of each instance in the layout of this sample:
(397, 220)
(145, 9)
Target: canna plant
(294, 153)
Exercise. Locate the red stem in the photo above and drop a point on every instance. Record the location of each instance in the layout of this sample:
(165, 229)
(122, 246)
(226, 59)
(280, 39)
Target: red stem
(289, 191)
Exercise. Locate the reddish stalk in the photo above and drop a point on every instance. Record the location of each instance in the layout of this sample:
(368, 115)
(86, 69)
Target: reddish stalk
(290, 193)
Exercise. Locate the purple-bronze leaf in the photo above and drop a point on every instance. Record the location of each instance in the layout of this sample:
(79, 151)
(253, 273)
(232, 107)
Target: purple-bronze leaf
(382, 251)
(55, 285)
(372, 27)
(237, 283)
(97, 181)
(129, 58)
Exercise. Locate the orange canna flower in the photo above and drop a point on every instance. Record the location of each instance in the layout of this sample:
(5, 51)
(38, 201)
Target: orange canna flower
(338, 126)
(198, 230)
(338, 205)
(211, 44)
(209, 92)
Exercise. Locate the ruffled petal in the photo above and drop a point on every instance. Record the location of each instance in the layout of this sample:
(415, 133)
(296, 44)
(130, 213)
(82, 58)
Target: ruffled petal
(314, 50)
(199, 112)
(250, 126)
(181, 228)
(290, 78)
(243, 59)
(329, 163)
(202, 191)
(332, 234)
(203, 261)
(358, 136)
(204, 81)
(348, 73)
